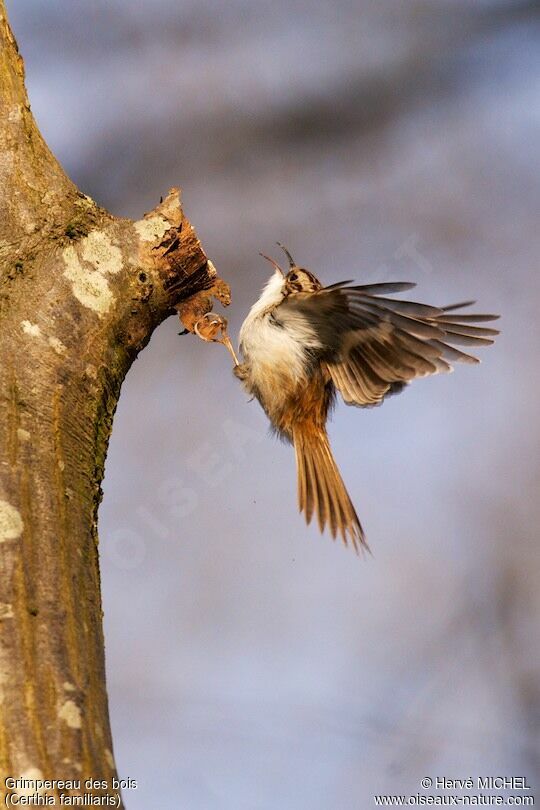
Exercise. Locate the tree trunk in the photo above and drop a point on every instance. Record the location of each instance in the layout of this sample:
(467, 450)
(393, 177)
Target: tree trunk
(80, 293)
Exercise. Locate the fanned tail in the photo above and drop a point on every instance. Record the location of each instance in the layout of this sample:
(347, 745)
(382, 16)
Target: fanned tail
(320, 487)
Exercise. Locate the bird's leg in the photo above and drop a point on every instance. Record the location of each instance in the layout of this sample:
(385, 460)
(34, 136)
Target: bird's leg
(208, 328)
(226, 341)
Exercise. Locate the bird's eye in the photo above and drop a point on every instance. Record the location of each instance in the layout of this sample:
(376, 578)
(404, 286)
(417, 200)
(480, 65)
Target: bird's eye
(293, 277)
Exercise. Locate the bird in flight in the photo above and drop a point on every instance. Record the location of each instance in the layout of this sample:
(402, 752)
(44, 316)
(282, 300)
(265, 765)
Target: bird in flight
(303, 343)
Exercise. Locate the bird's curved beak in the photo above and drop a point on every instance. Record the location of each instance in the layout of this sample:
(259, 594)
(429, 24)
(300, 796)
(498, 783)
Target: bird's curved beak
(292, 263)
(273, 263)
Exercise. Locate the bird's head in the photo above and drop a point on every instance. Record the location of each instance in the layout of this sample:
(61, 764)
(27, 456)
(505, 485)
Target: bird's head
(296, 280)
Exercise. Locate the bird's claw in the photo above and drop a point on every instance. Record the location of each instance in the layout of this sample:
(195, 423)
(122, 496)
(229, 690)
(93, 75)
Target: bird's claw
(212, 328)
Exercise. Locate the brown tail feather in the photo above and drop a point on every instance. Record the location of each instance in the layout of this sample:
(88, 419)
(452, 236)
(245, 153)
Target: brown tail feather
(321, 489)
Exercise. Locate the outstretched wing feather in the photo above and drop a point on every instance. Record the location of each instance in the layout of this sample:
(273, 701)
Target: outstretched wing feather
(373, 345)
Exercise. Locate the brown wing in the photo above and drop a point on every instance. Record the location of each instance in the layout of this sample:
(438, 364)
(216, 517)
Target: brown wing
(373, 345)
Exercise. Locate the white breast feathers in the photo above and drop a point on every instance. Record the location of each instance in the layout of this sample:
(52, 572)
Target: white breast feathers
(274, 350)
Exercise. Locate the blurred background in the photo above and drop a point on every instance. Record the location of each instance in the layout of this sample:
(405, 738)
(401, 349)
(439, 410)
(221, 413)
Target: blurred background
(252, 663)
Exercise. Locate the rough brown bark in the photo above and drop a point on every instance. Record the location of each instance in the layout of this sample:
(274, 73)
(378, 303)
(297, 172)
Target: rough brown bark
(80, 293)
